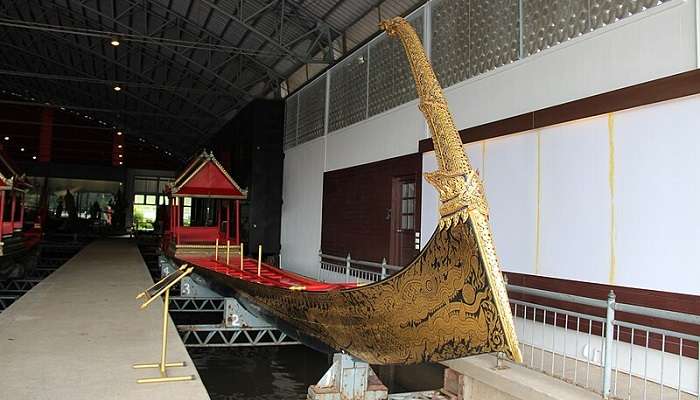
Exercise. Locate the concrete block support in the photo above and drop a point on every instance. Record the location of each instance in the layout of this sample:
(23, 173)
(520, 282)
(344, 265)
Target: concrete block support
(477, 378)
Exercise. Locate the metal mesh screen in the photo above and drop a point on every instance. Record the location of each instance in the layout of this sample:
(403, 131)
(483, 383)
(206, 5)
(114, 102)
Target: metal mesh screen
(493, 34)
(470, 37)
(312, 103)
(547, 23)
(605, 12)
(550, 22)
(390, 80)
(348, 92)
(450, 44)
(290, 121)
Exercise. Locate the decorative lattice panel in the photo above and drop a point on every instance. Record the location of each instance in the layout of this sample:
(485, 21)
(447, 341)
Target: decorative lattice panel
(547, 23)
(450, 41)
(290, 121)
(606, 12)
(312, 103)
(493, 34)
(348, 91)
(390, 80)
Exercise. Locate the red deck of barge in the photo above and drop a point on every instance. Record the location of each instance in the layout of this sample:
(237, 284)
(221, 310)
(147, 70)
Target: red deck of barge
(269, 275)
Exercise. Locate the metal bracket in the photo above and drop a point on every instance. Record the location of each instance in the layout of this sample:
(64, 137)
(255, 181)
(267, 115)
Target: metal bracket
(348, 378)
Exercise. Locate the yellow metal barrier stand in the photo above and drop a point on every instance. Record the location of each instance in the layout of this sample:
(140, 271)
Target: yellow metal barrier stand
(162, 287)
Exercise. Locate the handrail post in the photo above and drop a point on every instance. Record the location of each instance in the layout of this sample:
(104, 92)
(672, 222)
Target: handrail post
(320, 264)
(383, 267)
(259, 258)
(347, 268)
(228, 251)
(216, 250)
(241, 245)
(609, 333)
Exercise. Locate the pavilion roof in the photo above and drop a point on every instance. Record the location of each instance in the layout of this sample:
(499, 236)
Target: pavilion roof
(204, 176)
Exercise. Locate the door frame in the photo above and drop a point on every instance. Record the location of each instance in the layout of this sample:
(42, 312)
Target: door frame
(395, 223)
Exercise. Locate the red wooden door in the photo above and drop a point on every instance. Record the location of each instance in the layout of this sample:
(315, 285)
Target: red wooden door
(404, 220)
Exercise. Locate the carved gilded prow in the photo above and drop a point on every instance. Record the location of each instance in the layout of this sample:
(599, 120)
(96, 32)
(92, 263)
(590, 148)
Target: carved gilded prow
(458, 184)
(461, 191)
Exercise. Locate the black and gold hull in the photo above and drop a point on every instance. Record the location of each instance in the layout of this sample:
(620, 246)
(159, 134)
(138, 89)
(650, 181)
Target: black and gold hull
(440, 307)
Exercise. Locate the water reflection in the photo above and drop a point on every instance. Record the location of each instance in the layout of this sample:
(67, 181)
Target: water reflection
(285, 372)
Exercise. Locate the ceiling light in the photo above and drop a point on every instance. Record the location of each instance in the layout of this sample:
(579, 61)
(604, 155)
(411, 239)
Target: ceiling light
(21, 149)
(33, 157)
(114, 42)
(120, 156)
(117, 88)
(7, 138)
(119, 133)
(119, 146)
(121, 162)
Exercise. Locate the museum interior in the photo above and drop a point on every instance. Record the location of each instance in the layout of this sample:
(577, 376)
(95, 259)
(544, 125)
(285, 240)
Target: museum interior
(350, 199)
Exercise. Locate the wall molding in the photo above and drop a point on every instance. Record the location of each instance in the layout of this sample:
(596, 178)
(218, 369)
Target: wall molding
(655, 91)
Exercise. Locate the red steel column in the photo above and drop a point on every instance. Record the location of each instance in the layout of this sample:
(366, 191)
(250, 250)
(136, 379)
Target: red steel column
(2, 212)
(21, 211)
(238, 222)
(228, 220)
(218, 216)
(12, 212)
(177, 219)
(171, 214)
(46, 135)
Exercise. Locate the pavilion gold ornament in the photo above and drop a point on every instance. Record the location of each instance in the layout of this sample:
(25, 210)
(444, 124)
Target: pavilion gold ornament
(450, 302)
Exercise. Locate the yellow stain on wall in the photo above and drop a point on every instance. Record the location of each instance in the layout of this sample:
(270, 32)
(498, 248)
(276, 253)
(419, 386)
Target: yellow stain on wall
(611, 183)
(539, 198)
(483, 160)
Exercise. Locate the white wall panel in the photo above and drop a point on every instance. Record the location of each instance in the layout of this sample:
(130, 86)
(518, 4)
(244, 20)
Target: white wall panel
(387, 135)
(429, 201)
(657, 192)
(302, 196)
(575, 201)
(658, 196)
(510, 175)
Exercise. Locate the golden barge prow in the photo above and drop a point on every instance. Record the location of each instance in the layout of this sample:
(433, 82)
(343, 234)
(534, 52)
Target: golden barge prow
(450, 302)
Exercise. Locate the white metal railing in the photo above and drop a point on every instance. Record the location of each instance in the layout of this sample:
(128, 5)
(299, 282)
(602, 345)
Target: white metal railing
(644, 361)
(346, 269)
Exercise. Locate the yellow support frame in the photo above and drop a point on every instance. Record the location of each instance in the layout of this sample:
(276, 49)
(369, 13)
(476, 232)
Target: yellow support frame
(171, 280)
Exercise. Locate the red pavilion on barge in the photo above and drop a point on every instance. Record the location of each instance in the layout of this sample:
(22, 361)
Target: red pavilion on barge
(204, 201)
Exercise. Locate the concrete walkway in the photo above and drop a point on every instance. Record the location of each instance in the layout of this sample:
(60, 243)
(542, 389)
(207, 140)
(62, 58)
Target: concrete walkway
(77, 334)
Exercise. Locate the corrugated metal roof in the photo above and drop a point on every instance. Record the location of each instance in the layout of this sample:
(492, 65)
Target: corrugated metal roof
(358, 20)
(186, 65)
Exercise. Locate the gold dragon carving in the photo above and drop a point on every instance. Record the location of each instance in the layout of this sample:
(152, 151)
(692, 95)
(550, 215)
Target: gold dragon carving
(460, 188)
